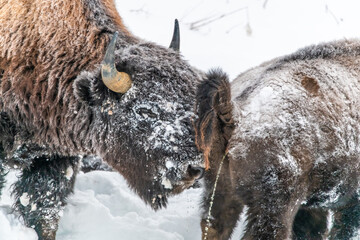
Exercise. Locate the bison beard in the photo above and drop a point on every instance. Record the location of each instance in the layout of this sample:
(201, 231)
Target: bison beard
(54, 106)
(291, 133)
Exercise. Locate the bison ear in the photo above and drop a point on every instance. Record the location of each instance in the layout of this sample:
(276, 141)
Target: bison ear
(222, 104)
(214, 110)
(88, 89)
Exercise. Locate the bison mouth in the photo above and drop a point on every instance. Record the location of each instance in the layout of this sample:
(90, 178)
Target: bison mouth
(170, 185)
(159, 202)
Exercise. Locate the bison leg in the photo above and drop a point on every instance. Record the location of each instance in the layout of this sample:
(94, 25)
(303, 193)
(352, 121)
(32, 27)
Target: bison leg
(346, 220)
(226, 206)
(265, 222)
(224, 215)
(273, 201)
(42, 190)
(310, 224)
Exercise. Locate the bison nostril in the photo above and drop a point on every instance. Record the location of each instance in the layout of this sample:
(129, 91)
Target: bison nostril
(196, 172)
(171, 174)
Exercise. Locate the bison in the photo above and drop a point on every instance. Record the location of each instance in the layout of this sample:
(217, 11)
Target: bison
(288, 131)
(74, 81)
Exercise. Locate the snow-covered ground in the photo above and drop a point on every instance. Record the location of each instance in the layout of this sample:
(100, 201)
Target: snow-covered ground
(235, 35)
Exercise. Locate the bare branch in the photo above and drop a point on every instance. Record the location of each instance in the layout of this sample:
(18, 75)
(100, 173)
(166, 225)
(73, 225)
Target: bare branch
(206, 21)
(332, 14)
(265, 3)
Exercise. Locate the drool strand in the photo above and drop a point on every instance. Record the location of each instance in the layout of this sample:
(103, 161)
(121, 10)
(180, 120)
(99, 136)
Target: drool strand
(212, 197)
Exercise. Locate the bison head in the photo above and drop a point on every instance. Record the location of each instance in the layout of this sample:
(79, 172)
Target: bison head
(138, 107)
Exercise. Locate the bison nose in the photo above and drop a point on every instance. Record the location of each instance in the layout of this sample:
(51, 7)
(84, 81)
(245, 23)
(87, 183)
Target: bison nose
(196, 172)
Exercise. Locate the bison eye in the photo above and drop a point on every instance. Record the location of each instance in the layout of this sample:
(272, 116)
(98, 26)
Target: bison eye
(146, 113)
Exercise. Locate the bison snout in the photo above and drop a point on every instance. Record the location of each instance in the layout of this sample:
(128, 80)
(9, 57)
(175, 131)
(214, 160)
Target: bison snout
(195, 172)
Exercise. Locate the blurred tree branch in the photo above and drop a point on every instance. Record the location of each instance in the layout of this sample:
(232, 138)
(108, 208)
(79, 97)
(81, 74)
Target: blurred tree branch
(265, 3)
(206, 21)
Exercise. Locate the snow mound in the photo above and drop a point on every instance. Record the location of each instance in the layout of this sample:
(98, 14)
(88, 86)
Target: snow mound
(103, 207)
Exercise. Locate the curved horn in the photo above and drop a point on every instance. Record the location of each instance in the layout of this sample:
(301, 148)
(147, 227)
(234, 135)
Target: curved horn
(175, 42)
(119, 82)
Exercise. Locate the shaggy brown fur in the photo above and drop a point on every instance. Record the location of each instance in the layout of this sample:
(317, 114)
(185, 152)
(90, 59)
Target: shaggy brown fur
(293, 152)
(40, 64)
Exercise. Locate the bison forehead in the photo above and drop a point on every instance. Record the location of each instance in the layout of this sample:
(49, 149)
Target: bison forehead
(157, 64)
(160, 125)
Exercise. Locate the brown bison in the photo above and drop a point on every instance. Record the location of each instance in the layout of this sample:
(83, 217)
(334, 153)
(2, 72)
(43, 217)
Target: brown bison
(67, 89)
(291, 135)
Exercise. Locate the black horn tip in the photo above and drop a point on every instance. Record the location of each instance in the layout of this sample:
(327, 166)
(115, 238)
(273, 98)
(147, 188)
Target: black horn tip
(114, 38)
(109, 55)
(175, 42)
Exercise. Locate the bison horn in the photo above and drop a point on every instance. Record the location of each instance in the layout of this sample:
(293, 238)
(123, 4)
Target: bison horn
(119, 82)
(175, 42)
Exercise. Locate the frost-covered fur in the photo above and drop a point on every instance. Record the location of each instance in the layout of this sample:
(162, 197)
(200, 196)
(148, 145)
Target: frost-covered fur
(54, 106)
(293, 156)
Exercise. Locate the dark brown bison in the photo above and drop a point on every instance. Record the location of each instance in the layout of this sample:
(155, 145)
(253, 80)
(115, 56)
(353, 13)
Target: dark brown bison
(290, 131)
(67, 89)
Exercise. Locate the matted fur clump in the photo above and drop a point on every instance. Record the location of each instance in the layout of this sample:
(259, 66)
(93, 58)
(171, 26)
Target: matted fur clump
(290, 131)
(54, 106)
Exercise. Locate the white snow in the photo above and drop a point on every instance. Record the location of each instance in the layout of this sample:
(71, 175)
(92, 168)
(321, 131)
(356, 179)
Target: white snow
(260, 104)
(169, 164)
(103, 207)
(33, 207)
(249, 33)
(287, 160)
(166, 183)
(330, 220)
(69, 173)
(11, 228)
(25, 199)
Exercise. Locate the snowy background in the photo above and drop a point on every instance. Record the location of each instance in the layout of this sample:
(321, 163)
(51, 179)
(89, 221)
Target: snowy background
(233, 34)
